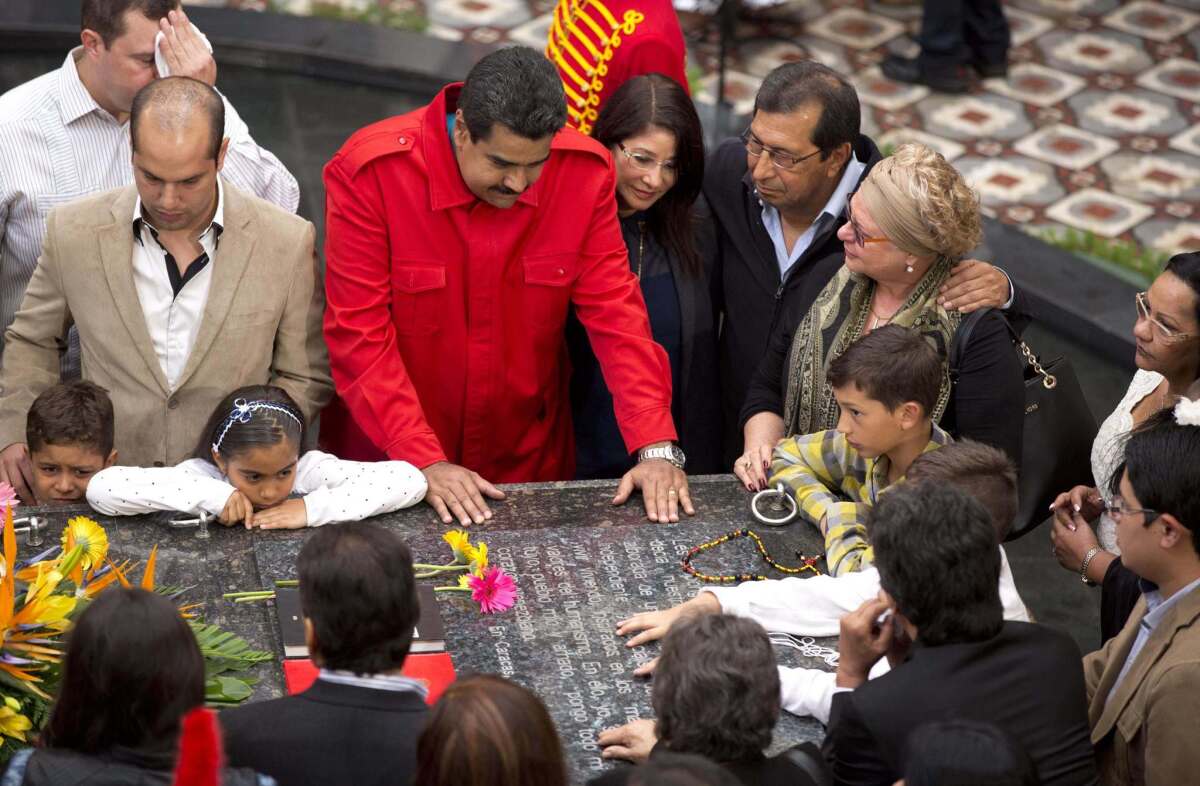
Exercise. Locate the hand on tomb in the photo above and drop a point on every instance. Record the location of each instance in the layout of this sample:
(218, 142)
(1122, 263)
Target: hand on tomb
(647, 668)
(631, 742)
(457, 492)
(760, 435)
(185, 53)
(653, 625)
(17, 471)
(238, 510)
(289, 514)
(862, 641)
(664, 489)
(974, 285)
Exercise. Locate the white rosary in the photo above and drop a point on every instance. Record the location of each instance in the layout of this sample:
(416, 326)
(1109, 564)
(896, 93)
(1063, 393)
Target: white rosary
(806, 646)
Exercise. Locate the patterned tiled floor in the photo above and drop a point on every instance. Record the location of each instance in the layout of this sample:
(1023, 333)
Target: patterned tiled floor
(1095, 128)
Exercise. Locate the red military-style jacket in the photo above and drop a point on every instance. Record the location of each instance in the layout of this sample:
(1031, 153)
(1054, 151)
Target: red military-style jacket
(599, 45)
(445, 315)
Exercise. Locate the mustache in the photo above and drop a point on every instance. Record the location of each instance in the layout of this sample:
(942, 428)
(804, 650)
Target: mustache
(505, 191)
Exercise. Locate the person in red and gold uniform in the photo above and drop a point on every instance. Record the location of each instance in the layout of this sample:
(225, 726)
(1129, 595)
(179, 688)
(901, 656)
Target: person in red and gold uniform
(598, 45)
(457, 237)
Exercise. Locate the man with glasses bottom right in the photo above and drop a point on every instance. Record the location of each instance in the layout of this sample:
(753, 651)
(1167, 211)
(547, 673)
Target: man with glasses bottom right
(1141, 685)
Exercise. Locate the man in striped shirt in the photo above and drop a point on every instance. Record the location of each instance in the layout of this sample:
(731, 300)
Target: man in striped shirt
(65, 134)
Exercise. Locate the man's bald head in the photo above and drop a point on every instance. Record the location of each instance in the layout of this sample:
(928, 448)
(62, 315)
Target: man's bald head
(174, 105)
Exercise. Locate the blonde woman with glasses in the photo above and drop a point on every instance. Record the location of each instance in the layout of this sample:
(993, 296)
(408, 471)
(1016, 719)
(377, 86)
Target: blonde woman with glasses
(1167, 355)
(911, 220)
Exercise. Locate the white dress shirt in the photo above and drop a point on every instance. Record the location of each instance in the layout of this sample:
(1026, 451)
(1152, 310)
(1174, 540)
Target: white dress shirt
(814, 607)
(173, 301)
(57, 145)
(332, 489)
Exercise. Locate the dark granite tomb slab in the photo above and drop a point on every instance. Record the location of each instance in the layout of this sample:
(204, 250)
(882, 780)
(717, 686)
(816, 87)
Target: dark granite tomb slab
(579, 563)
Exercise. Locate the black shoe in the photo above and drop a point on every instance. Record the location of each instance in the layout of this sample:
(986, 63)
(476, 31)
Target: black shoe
(912, 71)
(988, 70)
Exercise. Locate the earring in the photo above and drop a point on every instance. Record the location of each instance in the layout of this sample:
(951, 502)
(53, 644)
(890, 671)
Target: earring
(908, 268)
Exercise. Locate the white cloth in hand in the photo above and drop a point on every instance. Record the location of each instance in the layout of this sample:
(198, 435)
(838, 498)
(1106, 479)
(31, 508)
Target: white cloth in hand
(160, 60)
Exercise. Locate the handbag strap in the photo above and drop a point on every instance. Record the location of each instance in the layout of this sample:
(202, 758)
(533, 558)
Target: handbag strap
(962, 338)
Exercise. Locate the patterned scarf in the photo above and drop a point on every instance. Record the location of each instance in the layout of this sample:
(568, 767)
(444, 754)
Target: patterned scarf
(837, 319)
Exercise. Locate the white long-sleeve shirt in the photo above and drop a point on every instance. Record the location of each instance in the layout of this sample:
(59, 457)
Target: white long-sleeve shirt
(814, 607)
(332, 489)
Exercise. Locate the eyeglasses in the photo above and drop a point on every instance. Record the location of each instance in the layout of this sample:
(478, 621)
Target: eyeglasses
(1169, 335)
(644, 162)
(1118, 509)
(779, 158)
(859, 238)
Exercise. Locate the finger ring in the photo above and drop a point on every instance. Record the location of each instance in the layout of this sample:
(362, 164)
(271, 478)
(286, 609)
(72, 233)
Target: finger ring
(671, 491)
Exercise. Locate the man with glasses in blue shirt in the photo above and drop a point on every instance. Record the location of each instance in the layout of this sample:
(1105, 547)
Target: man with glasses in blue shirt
(777, 197)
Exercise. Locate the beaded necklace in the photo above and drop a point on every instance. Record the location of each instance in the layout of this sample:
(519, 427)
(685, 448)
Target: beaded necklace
(807, 564)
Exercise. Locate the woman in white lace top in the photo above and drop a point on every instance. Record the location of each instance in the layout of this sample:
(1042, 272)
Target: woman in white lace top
(1167, 337)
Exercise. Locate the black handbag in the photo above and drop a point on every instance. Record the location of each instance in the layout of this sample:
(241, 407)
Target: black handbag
(1058, 428)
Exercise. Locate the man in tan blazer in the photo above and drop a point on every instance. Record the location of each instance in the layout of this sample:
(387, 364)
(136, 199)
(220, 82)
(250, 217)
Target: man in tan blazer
(181, 286)
(1144, 684)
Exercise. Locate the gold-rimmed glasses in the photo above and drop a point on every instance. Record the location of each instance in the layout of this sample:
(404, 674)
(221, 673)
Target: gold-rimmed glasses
(860, 237)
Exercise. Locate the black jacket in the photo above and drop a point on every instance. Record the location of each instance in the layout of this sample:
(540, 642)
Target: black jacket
(1028, 680)
(57, 767)
(796, 766)
(695, 394)
(752, 295)
(328, 734)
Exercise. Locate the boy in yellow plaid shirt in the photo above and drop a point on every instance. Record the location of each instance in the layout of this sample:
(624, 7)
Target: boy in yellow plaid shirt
(887, 385)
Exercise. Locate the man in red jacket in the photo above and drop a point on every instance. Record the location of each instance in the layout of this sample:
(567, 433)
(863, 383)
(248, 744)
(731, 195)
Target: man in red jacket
(457, 237)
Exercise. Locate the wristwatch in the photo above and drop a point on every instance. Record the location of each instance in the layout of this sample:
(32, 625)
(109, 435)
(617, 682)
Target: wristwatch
(672, 453)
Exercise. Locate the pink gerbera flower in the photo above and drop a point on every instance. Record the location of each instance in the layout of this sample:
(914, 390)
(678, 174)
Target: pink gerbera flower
(494, 591)
(8, 496)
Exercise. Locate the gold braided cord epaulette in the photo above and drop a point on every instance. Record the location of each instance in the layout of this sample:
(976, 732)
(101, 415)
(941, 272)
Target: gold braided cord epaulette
(574, 26)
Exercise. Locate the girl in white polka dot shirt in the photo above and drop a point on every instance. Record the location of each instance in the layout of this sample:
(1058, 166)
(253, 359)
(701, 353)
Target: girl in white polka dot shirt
(248, 469)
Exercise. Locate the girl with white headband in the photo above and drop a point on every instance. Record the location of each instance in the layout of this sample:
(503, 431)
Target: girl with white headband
(249, 469)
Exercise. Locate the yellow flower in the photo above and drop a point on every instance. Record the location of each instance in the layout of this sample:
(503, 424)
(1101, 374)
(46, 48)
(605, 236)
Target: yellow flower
(478, 558)
(460, 544)
(12, 723)
(84, 532)
(463, 581)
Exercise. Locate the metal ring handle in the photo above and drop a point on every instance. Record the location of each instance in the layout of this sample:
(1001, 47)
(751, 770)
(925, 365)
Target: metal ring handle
(779, 492)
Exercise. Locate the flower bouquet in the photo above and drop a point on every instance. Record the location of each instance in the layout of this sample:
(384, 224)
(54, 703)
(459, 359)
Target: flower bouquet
(41, 597)
(490, 587)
